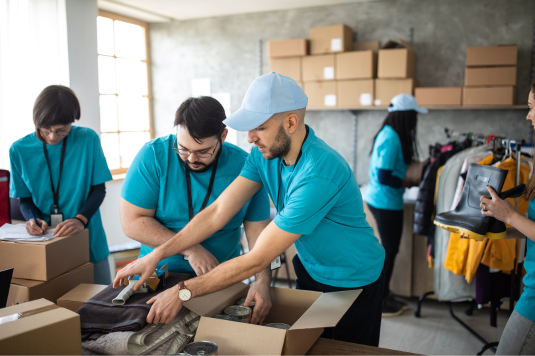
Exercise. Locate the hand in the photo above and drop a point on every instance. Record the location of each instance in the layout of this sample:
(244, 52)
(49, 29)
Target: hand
(68, 227)
(143, 267)
(165, 306)
(497, 208)
(34, 229)
(201, 260)
(259, 292)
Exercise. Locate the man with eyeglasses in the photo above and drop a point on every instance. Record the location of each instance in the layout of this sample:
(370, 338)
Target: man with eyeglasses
(174, 177)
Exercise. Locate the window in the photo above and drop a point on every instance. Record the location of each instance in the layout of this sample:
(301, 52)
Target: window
(125, 100)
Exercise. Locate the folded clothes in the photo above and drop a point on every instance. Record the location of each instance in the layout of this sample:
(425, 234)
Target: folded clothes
(153, 339)
(99, 316)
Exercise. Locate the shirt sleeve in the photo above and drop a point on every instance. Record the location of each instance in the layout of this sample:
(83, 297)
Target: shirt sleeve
(101, 172)
(258, 208)
(307, 205)
(250, 169)
(386, 153)
(18, 188)
(141, 185)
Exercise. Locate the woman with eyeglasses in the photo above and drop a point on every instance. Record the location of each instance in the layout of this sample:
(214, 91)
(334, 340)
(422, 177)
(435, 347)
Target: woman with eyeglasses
(58, 174)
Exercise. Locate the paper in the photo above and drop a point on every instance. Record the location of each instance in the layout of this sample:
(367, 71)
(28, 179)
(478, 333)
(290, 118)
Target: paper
(377, 102)
(328, 72)
(329, 100)
(365, 99)
(10, 232)
(336, 44)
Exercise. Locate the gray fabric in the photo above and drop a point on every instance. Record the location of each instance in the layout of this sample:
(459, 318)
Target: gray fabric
(447, 285)
(518, 337)
(109, 344)
(102, 272)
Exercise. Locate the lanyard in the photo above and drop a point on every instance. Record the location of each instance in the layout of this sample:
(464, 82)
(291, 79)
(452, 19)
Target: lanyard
(55, 192)
(208, 192)
(280, 173)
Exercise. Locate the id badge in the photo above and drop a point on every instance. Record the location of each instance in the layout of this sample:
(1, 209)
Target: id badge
(276, 263)
(56, 219)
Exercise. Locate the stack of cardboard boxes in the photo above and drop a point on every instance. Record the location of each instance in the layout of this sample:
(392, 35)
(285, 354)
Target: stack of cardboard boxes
(46, 269)
(490, 76)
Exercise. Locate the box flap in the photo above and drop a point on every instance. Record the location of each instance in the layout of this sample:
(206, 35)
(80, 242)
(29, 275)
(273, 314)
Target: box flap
(234, 338)
(83, 292)
(327, 310)
(406, 44)
(401, 44)
(39, 303)
(298, 342)
(25, 282)
(213, 304)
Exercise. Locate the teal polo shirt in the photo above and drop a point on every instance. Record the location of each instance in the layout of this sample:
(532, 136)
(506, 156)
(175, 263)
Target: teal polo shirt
(83, 167)
(157, 180)
(386, 154)
(322, 202)
(526, 305)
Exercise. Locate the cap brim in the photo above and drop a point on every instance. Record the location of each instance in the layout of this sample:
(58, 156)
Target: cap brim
(245, 120)
(421, 110)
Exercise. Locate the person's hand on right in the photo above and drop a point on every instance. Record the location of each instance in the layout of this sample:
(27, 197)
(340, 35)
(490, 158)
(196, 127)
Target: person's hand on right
(34, 229)
(201, 260)
(143, 267)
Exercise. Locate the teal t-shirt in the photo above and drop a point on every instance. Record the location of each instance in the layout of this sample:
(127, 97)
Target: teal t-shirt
(157, 180)
(526, 305)
(322, 202)
(386, 154)
(84, 166)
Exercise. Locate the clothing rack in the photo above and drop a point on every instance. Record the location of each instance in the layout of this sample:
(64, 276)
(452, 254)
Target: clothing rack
(508, 144)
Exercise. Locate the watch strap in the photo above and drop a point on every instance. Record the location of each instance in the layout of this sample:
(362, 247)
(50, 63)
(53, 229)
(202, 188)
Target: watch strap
(83, 223)
(181, 285)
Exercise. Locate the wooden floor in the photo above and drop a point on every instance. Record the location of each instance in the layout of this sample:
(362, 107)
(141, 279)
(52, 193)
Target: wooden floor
(436, 332)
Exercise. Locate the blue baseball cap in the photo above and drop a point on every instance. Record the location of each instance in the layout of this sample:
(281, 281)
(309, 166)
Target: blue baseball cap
(268, 95)
(405, 102)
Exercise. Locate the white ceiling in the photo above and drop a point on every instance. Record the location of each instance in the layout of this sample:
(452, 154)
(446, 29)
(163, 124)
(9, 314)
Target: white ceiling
(169, 10)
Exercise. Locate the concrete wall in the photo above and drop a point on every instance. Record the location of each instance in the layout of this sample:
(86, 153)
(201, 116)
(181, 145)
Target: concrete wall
(224, 49)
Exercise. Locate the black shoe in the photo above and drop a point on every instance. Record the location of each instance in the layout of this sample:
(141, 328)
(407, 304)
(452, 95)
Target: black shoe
(466, 219)
(497, 228)
(392, 306)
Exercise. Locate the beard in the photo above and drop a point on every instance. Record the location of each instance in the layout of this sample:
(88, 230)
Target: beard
(281, 145)
(203, 166)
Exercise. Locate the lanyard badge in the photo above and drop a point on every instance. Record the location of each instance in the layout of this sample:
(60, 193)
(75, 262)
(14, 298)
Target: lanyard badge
(56, 217)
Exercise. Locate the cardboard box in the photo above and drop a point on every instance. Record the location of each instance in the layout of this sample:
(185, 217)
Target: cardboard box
(396, 60)
(24, 290)
(364, 46)
(319, 68)
(355, 65)
(386, 89)
(43, 261)
(489, 96)
(287, 48)
(290, 67)
(321, 94)
(491, 56)
(307, 312)
(39, 328)
(439, 96)
(489, 76)
(331, 39)
(75, 298)
(356, 93)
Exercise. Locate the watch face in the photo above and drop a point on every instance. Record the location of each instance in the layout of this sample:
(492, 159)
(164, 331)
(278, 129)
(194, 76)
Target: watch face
(184, 294)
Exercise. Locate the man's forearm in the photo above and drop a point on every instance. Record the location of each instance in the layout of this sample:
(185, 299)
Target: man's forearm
(264, 276)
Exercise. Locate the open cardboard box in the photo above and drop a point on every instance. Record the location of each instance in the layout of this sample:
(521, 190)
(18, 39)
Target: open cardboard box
(307, 312)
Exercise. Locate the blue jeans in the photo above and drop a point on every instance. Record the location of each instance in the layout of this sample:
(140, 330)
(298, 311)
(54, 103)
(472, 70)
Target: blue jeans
(102, 272)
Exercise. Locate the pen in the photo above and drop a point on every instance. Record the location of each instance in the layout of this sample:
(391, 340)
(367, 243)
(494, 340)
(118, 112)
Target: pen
(37, 222)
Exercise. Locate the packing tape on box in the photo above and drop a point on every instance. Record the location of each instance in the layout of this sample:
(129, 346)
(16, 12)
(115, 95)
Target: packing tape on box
(18, 316)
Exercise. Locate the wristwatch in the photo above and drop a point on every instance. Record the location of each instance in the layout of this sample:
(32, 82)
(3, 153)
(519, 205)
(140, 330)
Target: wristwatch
(183, 293)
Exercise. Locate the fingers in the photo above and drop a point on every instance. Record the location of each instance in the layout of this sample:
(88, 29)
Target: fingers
(44, 225)
(151, 300)
(58, 228)
(492, 192)
(150, 317)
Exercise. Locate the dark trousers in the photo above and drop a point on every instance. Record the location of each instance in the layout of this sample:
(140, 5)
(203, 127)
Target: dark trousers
(361, 324)
(390, 225)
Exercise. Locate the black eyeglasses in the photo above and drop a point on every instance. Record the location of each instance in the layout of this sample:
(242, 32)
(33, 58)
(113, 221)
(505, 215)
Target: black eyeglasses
(186, 153)
(48, 132)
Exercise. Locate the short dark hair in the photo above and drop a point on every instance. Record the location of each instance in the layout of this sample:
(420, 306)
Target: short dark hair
(202, 116)
(56, 105)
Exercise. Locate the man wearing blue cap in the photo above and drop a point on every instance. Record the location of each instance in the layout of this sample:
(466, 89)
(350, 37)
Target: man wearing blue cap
(319, 206)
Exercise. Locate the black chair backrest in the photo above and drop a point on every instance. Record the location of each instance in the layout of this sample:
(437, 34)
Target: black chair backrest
(16, 214)
(5, 283)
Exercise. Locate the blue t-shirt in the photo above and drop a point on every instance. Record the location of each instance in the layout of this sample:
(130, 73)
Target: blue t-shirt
(386, 154)
(157, 180)
(322, 202)
(83, 167)
(526, 305)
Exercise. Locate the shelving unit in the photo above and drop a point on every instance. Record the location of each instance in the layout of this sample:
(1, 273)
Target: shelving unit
(431, 108)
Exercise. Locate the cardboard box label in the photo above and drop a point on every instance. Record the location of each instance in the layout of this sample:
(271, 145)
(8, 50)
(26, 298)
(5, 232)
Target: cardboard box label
(365, 99)
(377, 102)
(328, 72)
(336, 44)
(330, 100)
